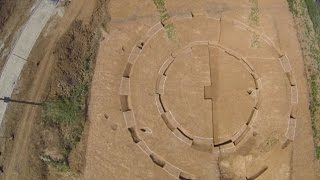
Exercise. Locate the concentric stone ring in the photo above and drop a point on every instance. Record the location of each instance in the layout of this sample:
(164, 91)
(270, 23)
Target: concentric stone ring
(183, 91)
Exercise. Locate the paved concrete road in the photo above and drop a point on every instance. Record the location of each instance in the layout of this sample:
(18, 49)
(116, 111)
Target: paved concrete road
(23, 46)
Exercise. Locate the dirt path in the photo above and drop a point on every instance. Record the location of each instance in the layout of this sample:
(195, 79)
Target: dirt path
(15, 168)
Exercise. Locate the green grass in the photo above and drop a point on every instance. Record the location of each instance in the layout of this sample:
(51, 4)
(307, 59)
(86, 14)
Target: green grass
(64, 113)
(160, 4)
(170, 29)
(62, 110)
(314, 106)
(254, 21)
(67, 113)
(164, 15)
(254, 13)
(292, 7)
(314, 14)
(61, 165)
(318, 152)
(66, 109)
(255, 41)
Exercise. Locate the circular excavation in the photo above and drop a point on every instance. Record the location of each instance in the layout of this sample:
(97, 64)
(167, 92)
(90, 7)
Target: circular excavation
(208, 93)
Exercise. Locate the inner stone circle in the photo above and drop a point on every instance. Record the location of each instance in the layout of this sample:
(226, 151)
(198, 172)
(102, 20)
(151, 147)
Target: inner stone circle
(204, 96)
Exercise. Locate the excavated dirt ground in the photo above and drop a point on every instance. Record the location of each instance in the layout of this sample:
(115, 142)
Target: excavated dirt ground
(224, 96)
(217, 91)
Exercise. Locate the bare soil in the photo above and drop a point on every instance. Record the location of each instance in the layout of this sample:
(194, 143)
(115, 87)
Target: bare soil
(167, 102)
(99, 145)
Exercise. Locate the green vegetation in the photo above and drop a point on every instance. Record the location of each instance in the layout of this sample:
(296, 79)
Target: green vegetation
(292, 7)
(254, 21)
(306, 9)
(254, 13)
(61, 165)
(255, 41)
(314, 104)
(318, 152)
(160, 4)
(164, 15)
(314, 14)
(170, 31)
(66, 109)
(64, 113)
(67, 113)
